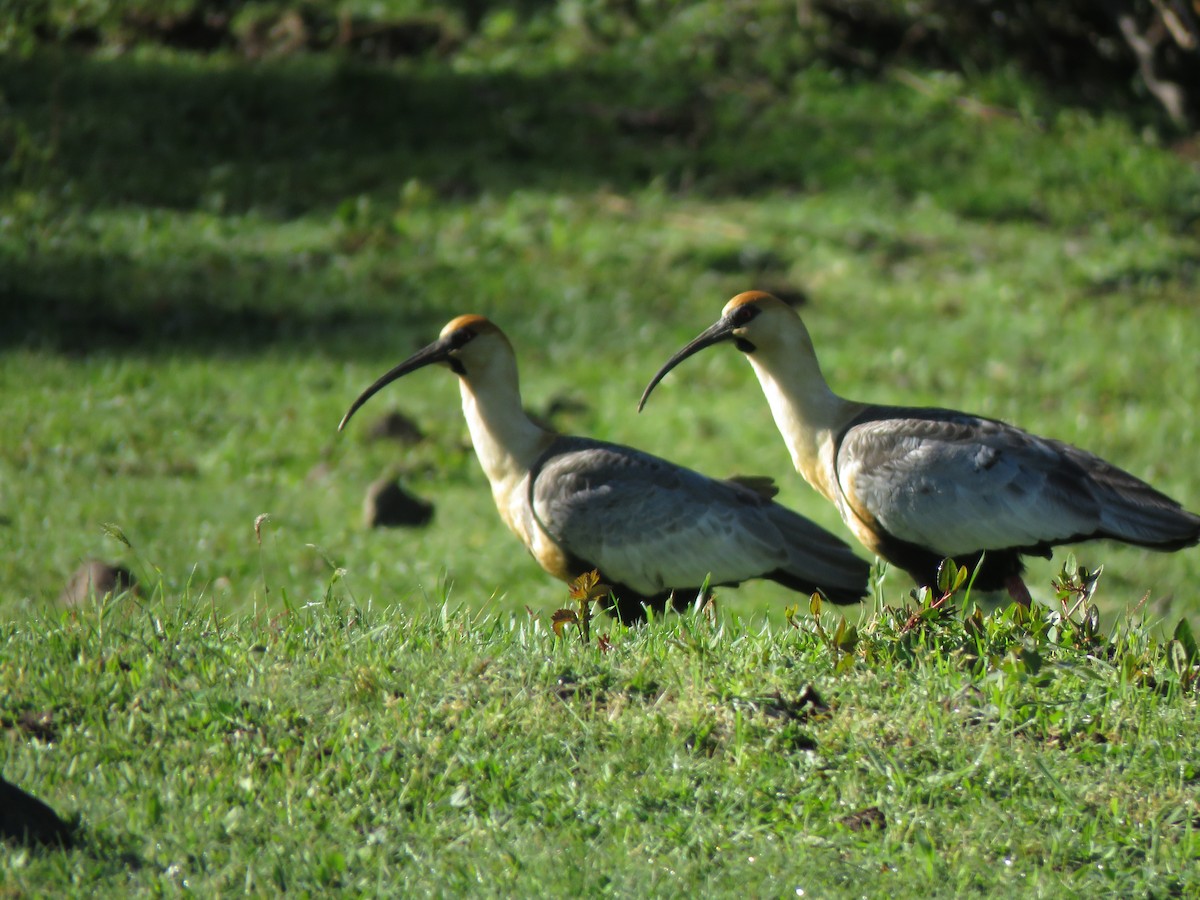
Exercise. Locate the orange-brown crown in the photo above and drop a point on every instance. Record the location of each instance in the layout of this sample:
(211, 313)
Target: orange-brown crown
(477, 323)
(750, 297)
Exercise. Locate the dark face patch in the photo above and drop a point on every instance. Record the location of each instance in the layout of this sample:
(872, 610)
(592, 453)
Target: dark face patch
(740, 318)
(744, 315)
(458, 339)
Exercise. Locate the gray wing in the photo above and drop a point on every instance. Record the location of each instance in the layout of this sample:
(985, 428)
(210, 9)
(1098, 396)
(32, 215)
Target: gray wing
(956, 484)
(655, 526)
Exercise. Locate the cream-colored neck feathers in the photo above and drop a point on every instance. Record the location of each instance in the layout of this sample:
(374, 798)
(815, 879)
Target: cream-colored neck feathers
(506, 440)
(808, 414)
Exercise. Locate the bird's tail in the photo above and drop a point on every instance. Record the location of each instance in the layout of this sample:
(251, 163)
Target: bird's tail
(1159, 526)
(1134, 512)
(817, 560)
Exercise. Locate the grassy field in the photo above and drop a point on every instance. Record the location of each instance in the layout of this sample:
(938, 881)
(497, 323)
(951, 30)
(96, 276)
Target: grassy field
(204, 258)
(340, 747)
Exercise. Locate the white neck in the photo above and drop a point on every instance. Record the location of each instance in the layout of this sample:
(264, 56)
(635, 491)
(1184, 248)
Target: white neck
(807, 412)
(506, 440)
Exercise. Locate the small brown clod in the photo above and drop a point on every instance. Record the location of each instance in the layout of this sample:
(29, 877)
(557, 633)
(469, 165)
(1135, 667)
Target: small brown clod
(395, 426)
(869, 819)
(387, 505)
(96, 578)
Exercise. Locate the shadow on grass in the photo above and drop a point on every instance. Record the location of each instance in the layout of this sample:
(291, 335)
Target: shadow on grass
(299, 137)
(305, 136)
(79, 303)
(302, 134)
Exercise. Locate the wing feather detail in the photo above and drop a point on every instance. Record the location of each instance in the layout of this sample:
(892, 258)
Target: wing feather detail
(957, 483)
(655, 526)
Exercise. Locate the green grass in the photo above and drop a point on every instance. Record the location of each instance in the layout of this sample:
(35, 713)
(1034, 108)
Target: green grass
(204, 259)
(341, 746)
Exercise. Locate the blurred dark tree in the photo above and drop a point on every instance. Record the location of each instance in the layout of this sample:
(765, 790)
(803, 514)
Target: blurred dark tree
(1095, 49)
(1103, 53)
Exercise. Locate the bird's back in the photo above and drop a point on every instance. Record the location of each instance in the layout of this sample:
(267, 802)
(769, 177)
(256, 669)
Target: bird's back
(953, 482)
(656, 526)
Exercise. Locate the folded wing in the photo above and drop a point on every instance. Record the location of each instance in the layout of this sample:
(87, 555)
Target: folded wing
(956, 484)
(655, 526)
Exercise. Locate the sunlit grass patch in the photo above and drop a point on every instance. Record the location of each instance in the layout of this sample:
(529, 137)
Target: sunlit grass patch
(337, 744)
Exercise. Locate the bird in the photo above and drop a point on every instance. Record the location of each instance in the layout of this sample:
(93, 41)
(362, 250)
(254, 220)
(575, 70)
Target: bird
(655, 532)
(917, 485)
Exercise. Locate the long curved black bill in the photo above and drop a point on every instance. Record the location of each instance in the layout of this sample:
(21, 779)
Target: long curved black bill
(722, 330)
(438, 351)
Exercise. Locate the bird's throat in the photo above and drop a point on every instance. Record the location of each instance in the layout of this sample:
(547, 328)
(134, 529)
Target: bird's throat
(808, 415)
(506, 440)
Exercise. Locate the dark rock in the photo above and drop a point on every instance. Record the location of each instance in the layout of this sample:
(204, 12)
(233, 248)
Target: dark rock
(387, 505)
(395, 426)
(26, 820)
(98, 578)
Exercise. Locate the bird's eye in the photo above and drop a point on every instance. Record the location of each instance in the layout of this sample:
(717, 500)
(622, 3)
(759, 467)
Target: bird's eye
(743, 314)
(460, 337)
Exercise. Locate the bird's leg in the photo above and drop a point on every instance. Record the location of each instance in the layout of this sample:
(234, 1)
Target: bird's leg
(1018, 591)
